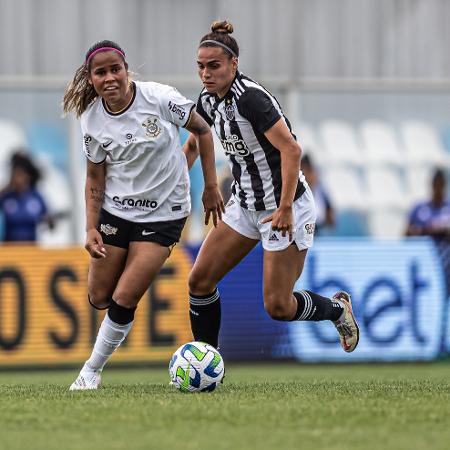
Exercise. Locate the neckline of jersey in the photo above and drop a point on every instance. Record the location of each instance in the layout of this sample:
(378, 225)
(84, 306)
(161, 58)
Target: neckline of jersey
(123, 111)
(229, 92)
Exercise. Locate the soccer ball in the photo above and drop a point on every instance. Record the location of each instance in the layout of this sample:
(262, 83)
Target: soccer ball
(196, 367)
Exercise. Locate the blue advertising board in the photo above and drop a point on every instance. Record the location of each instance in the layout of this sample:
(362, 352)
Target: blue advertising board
(398, 290)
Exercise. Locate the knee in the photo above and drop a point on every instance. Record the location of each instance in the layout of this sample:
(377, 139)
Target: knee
(126, 298)
(200, 283)
(276, 307)
(98, 301)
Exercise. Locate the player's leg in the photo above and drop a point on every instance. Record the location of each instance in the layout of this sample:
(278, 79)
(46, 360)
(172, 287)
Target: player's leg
(222, 250)
(283, 265)
(143, 263)
(281, 271)
(103, 276)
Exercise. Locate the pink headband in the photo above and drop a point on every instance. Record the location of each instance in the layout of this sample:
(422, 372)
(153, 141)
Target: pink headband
(104, 49)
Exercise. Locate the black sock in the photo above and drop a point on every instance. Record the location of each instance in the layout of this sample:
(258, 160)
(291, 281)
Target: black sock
(204, 311)
(119, 314)
(311, 306)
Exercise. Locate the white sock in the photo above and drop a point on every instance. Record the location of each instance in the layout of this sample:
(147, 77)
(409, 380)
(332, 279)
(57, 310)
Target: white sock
(109, 337)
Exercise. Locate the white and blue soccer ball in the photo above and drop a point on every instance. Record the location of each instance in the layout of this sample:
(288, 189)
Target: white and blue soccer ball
(196, 367)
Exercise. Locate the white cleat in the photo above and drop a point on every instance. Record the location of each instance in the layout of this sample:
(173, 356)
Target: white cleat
(347, 327)
(87, 381)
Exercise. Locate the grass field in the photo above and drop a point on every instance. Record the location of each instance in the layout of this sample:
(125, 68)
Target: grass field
(259, 407)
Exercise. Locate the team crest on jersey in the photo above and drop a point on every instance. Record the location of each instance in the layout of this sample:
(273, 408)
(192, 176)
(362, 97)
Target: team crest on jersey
(229, 111)
(152, 127)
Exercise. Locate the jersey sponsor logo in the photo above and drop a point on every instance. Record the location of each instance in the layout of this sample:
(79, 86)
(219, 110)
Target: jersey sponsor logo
(177, 109)
(235, 146)
(132, 203)
(107, 144)
(108, 229)
(87, 143)
(129, 139)
(229, 111)
(152, 127)
(309, 228)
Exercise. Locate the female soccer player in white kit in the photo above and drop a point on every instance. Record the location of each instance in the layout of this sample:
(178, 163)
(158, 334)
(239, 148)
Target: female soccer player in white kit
(137, 187)
(271, 201)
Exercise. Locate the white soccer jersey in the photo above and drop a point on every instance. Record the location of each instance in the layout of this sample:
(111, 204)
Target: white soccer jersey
(147, 177)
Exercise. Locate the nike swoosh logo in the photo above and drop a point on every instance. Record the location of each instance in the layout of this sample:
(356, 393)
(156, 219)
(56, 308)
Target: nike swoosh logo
(146, 233)
(106, 144)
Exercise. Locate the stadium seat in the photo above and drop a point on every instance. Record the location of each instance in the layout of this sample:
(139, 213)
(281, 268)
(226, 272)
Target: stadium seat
(49, 140)
(309, 142)
(418, 183)
(386, 223)
(350, 223)
(385, 189)
(381, 144)
(345, 188)
(422, 144)
(340, 142)
(446, 138)
(12, 138)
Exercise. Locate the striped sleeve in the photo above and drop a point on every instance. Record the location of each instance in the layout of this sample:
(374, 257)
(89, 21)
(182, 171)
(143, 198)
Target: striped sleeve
(202, 112)
(257, 107)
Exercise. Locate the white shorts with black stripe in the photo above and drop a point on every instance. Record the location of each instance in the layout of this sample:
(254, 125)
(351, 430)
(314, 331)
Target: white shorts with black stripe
(248, 223)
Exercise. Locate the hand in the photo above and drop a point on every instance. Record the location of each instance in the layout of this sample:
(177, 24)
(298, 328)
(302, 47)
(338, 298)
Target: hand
(213, 203)
(282, 220)
(94, 244)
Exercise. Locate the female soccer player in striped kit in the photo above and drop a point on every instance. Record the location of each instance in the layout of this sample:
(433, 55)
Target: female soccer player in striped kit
(137, 187)
(271, 200)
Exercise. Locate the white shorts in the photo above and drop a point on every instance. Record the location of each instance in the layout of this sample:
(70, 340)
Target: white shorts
(248, 223)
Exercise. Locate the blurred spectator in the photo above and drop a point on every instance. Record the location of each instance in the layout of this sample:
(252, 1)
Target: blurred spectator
(324, 208)
(22, 205)
(432, 217)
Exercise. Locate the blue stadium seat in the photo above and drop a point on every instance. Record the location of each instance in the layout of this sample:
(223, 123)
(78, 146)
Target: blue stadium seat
(49, 140)
(446, 137)
(351, 223)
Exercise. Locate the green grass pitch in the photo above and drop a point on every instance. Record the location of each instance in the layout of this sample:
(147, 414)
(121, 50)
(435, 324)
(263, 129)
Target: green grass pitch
(284, 406)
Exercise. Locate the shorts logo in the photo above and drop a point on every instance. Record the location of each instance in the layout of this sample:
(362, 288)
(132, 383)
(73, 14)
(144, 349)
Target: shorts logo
(309, 228)
(229, 111)
(177, 109)
(152, 127)
(147, 233)
(273, 238)
(108, 229)
(231, 202)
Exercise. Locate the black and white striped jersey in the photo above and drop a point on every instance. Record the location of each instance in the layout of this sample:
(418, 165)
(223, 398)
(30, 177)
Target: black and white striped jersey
(240, 120)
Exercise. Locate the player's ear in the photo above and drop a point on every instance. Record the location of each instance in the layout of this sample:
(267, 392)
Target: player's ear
(88, 76)
(234, 63)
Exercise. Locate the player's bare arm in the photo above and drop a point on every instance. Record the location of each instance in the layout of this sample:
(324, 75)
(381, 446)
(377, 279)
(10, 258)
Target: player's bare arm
(281, 138)
(211, 198)
(94, 194)
(190, 149)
